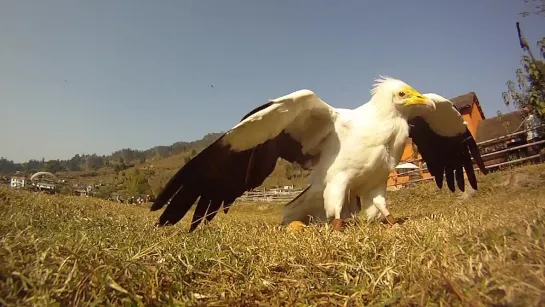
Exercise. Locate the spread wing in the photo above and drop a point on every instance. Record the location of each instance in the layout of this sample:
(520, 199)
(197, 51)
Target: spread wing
(291, 127)
(446, 145)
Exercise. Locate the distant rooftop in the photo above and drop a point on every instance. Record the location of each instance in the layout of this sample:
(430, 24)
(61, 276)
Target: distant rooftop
(464, 102)
(498, 126)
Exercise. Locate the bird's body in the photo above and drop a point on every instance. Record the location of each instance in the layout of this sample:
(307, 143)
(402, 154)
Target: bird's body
(351, 154)
(356, 160)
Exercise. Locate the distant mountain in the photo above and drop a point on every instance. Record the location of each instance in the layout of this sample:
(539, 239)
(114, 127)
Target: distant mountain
(160, 152)
(124, 157)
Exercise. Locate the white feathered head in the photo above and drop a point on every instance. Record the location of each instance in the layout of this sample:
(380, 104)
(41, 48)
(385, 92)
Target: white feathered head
(402, 95)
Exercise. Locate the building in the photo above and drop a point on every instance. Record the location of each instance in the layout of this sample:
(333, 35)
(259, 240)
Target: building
(18, 181)
(287, 189)
(493, 135)
(48, 187)
(81, 192)
(469, 106)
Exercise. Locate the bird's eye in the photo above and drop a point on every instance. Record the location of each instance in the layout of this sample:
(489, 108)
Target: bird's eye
(401, 94)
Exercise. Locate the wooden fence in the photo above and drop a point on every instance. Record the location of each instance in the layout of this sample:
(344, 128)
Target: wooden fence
(490, 155)
(287, 195)
(269, 196)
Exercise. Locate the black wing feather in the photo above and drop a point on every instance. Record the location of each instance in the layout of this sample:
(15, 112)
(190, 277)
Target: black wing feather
(200, 212)
(213, 209)
(459, 175)
(468, 166)
(219, 176)
(447, 157)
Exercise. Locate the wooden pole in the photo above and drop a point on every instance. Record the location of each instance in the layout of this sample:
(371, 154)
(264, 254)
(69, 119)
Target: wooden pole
(524, 45)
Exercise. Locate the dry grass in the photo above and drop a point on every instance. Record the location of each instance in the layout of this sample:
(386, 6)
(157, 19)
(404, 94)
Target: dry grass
(487, 250)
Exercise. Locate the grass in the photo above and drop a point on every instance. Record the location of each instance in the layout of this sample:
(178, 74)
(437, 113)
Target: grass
(486, 250)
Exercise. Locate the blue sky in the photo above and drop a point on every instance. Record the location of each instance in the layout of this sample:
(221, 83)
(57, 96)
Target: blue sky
(139, 73)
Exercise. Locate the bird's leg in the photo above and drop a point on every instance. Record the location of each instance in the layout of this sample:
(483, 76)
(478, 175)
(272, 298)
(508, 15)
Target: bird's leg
(352, 207)
(380, 202)
(372, 212)
(337, 224)
(334, 199)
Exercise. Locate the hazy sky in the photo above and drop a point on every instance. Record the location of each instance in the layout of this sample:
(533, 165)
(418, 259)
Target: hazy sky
(101, 75)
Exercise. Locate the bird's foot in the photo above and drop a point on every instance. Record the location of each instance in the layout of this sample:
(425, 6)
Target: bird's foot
(391, 219)
(337, 224)
(296, 226)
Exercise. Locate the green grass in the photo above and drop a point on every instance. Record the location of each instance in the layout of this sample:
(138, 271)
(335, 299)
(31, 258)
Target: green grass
(486, 250)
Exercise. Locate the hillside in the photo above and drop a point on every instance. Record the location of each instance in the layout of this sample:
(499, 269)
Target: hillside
(488, 250)
(154, 174)
(129, 172)
(120, 158)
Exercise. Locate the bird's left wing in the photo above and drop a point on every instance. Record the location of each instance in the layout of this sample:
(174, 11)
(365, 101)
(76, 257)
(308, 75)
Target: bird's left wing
(291, 127)
(446, 144)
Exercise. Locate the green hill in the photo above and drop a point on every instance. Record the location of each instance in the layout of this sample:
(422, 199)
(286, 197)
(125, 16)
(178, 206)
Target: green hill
(129, 171)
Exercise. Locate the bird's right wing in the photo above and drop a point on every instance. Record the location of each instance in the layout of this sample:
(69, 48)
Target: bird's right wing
(291, 127)
(446, 144)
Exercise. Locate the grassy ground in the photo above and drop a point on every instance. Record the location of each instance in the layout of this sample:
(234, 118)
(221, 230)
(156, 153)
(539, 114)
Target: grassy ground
(486, 250)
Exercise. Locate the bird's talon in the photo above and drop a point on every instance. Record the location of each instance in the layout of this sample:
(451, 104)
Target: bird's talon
(296, 226)
(337, 224)
(391, 220)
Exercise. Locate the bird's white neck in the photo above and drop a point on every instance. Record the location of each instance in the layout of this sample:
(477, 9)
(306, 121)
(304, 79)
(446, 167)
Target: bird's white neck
(383, 109)
(391, 127)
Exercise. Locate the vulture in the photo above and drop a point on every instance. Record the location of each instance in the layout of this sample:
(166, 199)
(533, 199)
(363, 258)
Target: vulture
(350, 153)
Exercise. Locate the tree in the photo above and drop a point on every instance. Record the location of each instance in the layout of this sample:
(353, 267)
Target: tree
(74, 163)
(52, 166)
(32, 166)
(119, 167)
(538, 8)
(93, 162)
(104, 191)
(137, 183)
(8, 166)
(531, 78)
(531, 83)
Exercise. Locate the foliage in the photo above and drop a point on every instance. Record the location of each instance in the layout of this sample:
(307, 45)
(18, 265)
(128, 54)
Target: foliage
(537, 9)
(530, 88)
(486, 251)
(137, 183)
(52, 166)
(118, 167)
(294, 171)
(104, 191)
(111, 169)
(65, 189)
(123, 158)
(9, 166)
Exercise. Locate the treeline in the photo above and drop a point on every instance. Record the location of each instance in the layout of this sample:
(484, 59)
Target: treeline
(120, 159)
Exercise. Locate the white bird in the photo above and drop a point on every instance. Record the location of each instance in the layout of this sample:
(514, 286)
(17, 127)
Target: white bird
(351, 154)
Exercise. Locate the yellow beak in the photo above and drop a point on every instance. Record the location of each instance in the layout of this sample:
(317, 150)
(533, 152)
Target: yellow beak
(416, 98)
